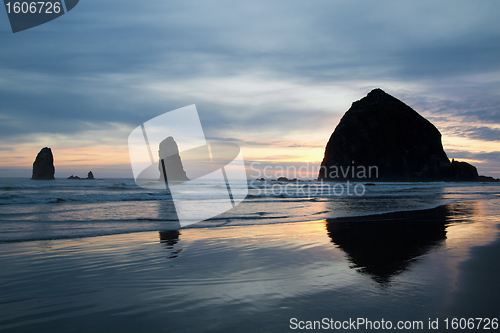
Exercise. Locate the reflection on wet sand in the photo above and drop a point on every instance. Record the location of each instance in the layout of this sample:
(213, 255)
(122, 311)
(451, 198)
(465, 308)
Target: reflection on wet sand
(169, 238)
(380, 246)
(385, 245)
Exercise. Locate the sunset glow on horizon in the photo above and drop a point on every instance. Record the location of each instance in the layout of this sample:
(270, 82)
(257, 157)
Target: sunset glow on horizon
(277, 89)
(115, 161)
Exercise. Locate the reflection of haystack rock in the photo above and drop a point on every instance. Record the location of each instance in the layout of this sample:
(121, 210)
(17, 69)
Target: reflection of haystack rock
(169, 154)
(385, 245)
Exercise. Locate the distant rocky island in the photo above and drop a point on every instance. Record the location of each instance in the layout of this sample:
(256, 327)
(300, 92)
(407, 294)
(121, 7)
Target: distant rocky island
(381, 138)
(43, 167)
(90, 175)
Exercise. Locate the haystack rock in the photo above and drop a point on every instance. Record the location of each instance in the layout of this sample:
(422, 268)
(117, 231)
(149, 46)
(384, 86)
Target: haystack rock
(382, 138)
(169, 155)
(43, 167)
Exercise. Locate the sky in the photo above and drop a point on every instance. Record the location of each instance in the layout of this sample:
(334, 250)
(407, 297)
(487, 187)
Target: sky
(275, 77)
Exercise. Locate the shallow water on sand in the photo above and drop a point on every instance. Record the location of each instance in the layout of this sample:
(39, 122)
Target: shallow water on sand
(253, 278)
(59, 209)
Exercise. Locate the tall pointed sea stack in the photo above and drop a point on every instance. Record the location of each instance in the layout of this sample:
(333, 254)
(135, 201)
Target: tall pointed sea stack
(172, 165)
(381, 132)
(43, 167)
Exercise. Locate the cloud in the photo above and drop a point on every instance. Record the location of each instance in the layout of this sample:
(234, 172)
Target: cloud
(479, 133)
(242, 142)
(260, 72)
(487, 163)
(467, 100)
(491, 157)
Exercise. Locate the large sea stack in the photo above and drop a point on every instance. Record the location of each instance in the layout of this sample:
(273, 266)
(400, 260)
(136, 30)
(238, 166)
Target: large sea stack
(43, 167)
(170, 161)
(381, 132)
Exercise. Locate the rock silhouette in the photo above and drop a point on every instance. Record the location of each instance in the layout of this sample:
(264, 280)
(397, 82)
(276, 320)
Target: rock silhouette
(381, 132)
(385, 245)
(463, 171)
(170, 162)
(43, 167)
(90, 175)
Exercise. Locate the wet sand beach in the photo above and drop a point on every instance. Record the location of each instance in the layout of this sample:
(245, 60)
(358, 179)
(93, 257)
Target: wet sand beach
(406, 266)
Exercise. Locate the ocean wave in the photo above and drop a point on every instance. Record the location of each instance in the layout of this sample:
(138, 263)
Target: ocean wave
(95, 228)
(84, 233)
(72, 199)
(19, 200)
(70, 184)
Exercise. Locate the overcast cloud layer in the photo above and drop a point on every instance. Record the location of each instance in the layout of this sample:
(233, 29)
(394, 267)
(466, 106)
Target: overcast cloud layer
(258, 71)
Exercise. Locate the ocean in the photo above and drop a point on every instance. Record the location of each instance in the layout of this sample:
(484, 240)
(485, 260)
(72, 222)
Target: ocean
(105, 254)
(59, 209)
